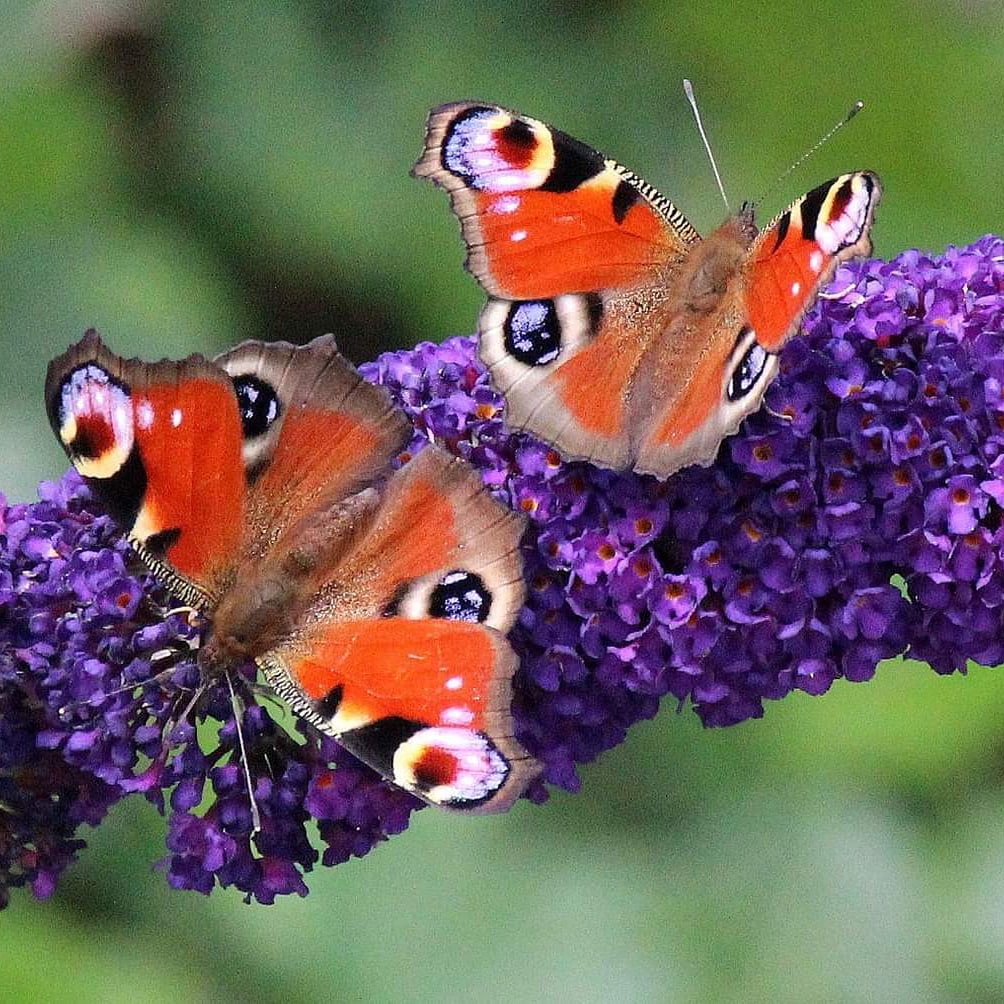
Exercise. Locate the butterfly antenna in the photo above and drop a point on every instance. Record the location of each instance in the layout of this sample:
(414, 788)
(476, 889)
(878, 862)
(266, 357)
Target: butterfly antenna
(688, 89)
(176, 720)
(855, 108)
(169, 657)
(238, 714)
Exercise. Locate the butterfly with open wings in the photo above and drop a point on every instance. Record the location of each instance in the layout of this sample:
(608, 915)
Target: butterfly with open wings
(613, 330)
(259, 488)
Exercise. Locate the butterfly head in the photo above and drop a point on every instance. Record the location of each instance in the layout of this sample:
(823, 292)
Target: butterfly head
(251, 618)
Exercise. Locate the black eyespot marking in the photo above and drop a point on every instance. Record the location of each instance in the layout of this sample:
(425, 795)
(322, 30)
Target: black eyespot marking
(328, 705)
(594, 308)
(574, 163)
(532, 332)
(625, 196)
(747, 371)
(517, 135)
(461, 596)
(782, 229)
(96, 430)
(122, 493)
(393, 607)
(258, 405)
(376, 743)
(466, 155)
(158, 543)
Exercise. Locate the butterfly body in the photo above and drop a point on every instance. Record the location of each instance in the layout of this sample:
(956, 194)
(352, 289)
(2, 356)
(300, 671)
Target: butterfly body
(260, 487)
(268, 598)
(613, 330)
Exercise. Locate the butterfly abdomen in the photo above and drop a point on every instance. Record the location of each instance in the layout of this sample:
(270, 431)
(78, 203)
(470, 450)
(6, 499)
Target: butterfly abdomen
(252, 618)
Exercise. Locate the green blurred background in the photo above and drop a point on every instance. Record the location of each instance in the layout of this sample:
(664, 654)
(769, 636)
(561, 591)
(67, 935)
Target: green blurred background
(186, 175)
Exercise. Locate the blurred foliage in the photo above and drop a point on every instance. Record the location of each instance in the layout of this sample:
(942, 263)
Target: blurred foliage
(186, 175)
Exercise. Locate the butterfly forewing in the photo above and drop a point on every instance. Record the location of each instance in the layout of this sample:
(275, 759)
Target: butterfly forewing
(159, 443)
(541, 213)
(799, 251)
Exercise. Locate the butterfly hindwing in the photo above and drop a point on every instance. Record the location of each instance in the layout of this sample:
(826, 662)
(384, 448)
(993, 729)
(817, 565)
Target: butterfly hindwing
(315, 432)
(405, 660)
(566, 367)
(541, 213)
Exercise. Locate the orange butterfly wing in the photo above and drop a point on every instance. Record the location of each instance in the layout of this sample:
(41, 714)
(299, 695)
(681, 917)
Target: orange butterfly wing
(541, 213)
(424, 702)
(315, 432)
(205, 464)
(800, 250)
(561, 238)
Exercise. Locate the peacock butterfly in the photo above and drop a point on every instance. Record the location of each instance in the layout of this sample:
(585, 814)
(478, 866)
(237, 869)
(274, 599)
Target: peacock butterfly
(259, 487)
(612, 329)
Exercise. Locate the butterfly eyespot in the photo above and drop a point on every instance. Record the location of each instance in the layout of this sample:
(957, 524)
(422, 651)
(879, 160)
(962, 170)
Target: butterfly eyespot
(96, 422)
(488, 154)
(458, 767)
(516, 142)
(532, 332)
(746, 373)
(91, 439)
(461, 596)
(258, 405)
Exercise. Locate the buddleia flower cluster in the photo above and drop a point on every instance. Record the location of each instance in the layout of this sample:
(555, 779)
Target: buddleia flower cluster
(856, 517)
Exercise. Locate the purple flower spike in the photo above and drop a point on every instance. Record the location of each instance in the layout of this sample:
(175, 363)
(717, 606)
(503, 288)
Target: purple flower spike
(855, 518)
